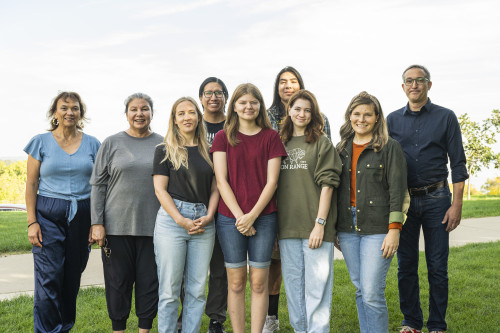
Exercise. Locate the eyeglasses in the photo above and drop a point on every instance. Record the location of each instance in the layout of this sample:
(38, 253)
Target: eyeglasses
(420, 81)
(106, 249)
(209, 93)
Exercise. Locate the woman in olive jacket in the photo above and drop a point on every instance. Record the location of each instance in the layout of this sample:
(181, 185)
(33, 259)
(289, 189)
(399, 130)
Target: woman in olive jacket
(371, 200)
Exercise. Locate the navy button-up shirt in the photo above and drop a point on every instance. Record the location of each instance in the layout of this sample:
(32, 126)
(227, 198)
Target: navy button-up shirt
(428, 138)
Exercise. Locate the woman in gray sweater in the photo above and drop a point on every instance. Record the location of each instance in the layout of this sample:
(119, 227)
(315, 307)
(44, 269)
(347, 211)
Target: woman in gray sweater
(123, 208)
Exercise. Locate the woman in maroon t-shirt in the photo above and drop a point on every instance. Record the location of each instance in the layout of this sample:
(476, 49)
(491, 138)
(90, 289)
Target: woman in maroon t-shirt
(247, 157)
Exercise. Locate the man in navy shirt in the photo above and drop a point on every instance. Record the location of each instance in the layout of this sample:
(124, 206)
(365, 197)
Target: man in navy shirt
(429, 135)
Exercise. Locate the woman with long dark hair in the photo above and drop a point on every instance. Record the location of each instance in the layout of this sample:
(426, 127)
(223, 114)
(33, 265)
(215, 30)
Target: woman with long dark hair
(307, 214)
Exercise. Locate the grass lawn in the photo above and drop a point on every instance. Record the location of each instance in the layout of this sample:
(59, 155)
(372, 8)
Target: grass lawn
(13, 233)
(474, 302)
(481, 206)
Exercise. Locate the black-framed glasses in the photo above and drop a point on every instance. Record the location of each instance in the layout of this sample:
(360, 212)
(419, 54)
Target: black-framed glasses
(106, 249)
(209, 93)
(420, 81)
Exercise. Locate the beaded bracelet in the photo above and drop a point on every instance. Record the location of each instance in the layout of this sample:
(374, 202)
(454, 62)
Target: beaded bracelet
(29, 225)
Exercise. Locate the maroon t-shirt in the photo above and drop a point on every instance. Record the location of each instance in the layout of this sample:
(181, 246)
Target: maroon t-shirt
(247, 167)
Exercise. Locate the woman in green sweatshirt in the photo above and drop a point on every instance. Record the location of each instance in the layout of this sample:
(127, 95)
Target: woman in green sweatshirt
(306, 215)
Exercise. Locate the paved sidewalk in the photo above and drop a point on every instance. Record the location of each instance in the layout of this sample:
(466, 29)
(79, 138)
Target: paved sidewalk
(16, 271)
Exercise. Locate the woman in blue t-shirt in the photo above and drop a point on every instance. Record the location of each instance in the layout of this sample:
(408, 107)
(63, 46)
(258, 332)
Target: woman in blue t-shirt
(60, 163)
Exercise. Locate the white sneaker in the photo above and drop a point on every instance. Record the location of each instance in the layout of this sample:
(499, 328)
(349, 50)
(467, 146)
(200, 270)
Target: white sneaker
(272, 324)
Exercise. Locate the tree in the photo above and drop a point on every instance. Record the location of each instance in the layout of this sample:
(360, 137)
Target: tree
(12, 182)
(478, 139)
(492, 186)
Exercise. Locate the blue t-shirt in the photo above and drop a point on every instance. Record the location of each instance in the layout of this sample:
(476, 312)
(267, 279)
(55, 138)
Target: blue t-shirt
(62, 175)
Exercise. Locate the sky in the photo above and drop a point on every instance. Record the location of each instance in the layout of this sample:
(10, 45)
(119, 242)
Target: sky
(108, 49)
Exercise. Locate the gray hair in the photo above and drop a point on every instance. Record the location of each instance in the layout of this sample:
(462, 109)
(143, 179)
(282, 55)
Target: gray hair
(138, 96)
(425, 70)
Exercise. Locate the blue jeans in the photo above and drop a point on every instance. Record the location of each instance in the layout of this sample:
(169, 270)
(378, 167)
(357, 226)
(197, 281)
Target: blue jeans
(308, 276)
(426, 211)
(368, 271)
(179, 254)
(235, 246)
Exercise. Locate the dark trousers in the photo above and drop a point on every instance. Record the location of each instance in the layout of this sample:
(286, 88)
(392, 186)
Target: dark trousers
(216, 307)
(426, 211)
(132, 260)
(59, 263)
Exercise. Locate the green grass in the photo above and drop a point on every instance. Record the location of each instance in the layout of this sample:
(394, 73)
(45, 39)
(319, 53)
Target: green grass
(13, 233)
(481, 206)
(474, 300)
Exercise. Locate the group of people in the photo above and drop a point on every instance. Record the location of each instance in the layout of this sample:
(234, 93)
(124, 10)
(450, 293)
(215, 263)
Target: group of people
(245, 194)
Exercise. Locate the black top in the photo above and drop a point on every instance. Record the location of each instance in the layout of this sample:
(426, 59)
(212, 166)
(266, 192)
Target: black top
(428, 138)
(212, 129)
(190, 185)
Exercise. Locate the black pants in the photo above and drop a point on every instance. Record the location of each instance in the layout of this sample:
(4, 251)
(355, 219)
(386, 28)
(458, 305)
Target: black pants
(132, 260)
(216, 308)
(59, 263)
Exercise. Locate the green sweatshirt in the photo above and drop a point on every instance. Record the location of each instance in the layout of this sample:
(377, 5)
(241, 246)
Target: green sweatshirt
(308, 168)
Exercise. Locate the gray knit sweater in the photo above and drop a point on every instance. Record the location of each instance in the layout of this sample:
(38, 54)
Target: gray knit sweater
(123, 197)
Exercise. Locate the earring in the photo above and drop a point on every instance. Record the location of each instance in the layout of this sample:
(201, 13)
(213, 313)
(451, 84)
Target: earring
(175, 130)
(80, 124)
(55, 122)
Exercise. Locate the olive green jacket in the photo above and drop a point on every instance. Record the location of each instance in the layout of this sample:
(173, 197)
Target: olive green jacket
(381, 189)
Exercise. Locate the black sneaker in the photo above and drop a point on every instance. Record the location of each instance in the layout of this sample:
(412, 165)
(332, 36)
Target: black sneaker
(215, 327)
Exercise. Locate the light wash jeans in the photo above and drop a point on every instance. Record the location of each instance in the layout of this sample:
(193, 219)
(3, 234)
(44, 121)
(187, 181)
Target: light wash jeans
(308, 277)
(178, 254)
(368, 271)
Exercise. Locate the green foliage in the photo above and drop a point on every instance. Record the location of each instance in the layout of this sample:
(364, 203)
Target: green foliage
(12, 182)
(478, 139)
(492, 186)
(473, 299)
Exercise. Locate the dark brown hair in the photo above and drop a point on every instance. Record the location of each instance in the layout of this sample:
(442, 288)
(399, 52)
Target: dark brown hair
(276, 95)
(314, 129)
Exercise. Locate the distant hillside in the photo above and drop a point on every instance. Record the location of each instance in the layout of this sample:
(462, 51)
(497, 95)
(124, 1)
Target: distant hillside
(12, 159)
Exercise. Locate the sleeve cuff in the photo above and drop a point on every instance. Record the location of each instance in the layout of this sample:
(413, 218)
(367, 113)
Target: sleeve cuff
(396, 217)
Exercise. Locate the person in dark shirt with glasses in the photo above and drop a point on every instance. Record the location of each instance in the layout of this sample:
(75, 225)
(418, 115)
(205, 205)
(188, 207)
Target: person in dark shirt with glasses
(429, 135)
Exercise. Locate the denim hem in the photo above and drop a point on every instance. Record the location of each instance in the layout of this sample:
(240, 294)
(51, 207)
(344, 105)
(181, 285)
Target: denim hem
(235, 264)
(255, 264)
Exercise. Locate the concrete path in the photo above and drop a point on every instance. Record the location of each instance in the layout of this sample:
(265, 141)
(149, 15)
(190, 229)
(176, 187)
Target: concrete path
(16, 271)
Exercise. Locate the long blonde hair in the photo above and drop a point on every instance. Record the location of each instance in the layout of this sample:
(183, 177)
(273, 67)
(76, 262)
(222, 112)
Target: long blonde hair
(232, 121)
(380, 134)
(174, 142)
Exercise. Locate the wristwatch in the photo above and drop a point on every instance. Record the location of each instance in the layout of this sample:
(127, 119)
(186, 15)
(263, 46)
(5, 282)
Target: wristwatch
(320, 221)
